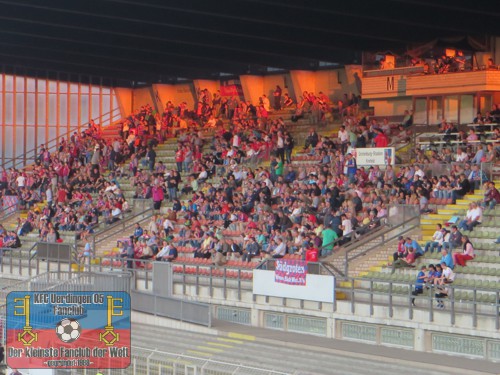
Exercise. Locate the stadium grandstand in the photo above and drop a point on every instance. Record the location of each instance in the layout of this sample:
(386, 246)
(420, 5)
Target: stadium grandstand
(283, 188)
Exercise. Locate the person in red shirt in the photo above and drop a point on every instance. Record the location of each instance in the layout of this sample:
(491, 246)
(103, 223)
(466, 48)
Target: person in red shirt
(381, 139)
(312, 253)
(62, 194)
(179, 159)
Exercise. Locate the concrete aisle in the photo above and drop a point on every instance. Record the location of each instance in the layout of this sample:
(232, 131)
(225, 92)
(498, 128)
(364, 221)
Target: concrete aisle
(300, 354)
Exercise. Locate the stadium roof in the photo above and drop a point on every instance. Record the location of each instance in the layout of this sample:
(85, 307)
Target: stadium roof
(161, 40)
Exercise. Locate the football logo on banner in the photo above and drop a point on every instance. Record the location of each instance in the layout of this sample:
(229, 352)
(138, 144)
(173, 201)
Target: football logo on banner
(64, 330)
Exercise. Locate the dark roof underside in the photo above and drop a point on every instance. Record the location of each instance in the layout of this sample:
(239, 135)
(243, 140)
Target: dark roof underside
(160, 40)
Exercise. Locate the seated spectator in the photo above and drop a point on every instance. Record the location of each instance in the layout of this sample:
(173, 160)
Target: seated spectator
(12, 240)
(455, 239)
(414, 246)
(436, 238)
(234, 249)
(463, 187)
(205, 249)
(251, 250)
(116, 214)
(168, 252)
(408, 261)
(440, 295)
(401, 251)
(473, 217)
(491, 196)
(221, 250)
(280, 250)
(447, 258)
(447, 275)
(467, 252)
(431, 275)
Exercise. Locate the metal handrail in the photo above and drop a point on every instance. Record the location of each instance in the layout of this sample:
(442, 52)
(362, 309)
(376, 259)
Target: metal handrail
(120, 224)
(475, 303)
(4, 214)
(55, 141)
(94, 264)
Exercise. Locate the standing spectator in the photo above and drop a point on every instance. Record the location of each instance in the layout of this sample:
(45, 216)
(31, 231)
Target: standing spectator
(151, 157)
(129, 251)
(277, 98)
(419, 284)
(350, 167)
(158, 196)
(179, 159)
(329, 237)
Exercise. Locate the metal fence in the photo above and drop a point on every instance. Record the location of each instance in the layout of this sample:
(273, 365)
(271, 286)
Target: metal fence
(472, 302)
(173, 308)
(154, 362)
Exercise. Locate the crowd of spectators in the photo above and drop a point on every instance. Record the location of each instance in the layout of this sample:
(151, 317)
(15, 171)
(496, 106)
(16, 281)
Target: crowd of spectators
(280, 209)
(448, 239)
(67, 190)
(286, 206)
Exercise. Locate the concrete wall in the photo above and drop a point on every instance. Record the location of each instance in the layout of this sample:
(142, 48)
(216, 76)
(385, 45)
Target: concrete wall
(176, 93)
(390, 107)
(375, 327)
(142, 96)
(253, 87)
(333, 82)
(201, 84)
(124, 99)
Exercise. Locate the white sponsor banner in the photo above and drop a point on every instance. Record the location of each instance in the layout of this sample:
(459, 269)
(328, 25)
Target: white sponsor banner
(319, 288)
(375, 156)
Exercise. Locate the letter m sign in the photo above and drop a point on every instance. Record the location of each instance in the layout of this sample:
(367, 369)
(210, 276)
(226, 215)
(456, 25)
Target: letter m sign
(390, 83)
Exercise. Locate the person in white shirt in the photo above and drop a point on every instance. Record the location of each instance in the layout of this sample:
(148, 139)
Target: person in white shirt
(167, 227)
(236, 141)
(343, 138)
(280, 250)
(266, 103)
(49, 196)
(21, 181)
(203, 175)
(437, 238)
(346, 226)
(447, 276)
(462, 156)
(419, 172)
(473, 217)
(115, 215)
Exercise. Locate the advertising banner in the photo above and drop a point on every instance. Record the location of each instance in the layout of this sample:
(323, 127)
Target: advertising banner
(68, 330)
(231, 90)
(375, 156)
(291, 272)
(319, 288)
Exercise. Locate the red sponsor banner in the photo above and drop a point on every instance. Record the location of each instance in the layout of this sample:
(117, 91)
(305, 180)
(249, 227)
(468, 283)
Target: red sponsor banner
(231, 90)
(291, 272)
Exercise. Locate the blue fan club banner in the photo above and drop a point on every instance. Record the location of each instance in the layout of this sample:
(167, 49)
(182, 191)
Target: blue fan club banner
(68, 330)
